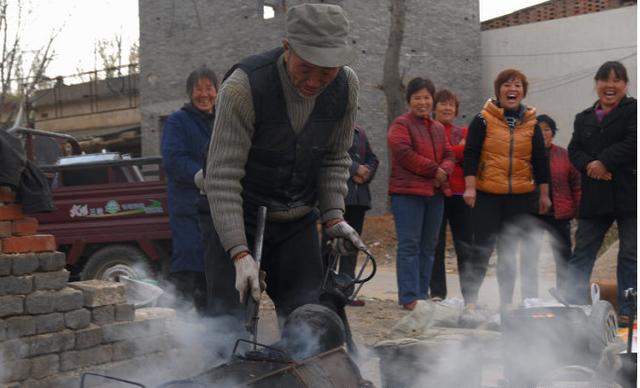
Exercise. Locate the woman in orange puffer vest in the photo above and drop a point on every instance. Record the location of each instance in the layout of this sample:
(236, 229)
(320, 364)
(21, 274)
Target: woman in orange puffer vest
(504, 160)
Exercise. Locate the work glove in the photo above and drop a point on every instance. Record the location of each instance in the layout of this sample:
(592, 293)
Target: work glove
(198, 179)
(247, 278)
(344, 236)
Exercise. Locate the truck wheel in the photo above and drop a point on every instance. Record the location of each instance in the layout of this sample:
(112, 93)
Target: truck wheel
(113, 261)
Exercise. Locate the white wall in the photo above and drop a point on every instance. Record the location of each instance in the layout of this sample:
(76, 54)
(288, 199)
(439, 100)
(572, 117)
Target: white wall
(560, 58)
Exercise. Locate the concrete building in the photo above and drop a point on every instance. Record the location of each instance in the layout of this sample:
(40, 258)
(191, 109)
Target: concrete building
(441, 41)
(560, 57)
(97, 111)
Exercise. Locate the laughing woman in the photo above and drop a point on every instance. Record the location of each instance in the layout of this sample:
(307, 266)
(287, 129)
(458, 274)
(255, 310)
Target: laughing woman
(603, 149)
(421, 162)
(504, 160)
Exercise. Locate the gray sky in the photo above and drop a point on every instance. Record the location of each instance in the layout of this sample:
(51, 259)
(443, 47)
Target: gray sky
(83, 22)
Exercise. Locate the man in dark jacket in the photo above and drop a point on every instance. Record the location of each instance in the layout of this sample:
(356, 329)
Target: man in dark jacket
(364, 164)
(603, 149)
(284, 124)
(184, 139)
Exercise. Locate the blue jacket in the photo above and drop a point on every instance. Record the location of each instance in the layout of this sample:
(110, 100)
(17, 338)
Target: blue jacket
(185, 138)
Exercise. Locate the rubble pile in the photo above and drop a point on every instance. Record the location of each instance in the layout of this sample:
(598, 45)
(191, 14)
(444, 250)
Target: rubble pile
(52, 330)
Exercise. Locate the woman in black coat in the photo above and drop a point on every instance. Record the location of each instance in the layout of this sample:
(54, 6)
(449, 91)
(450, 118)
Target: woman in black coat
(603, 149)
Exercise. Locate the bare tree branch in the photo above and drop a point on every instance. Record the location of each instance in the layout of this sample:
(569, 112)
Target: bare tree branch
(391, 80)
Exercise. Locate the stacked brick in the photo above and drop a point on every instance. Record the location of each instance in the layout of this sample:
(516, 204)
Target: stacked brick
(52, 330)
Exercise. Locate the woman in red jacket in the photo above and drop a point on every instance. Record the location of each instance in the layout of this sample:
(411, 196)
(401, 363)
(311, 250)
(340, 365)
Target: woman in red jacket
(456, 212)
(565, 196)
(421, 162)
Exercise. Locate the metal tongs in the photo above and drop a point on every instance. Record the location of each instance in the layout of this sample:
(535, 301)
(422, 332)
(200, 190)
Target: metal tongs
(252, 311)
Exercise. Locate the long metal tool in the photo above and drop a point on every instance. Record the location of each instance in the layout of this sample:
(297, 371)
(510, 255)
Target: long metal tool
(253, 307)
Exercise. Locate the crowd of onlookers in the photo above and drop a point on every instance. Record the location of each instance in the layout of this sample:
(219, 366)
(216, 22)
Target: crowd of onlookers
(501, 182)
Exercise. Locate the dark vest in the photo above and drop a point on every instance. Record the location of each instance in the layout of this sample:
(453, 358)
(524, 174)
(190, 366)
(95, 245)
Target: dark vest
(282, 168)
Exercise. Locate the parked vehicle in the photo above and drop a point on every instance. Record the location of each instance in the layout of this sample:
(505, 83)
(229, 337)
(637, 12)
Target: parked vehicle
(111, 216)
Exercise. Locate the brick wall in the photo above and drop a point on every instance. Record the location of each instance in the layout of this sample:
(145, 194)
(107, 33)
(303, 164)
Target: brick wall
(51, 330)
(442, 42)
(554, 9)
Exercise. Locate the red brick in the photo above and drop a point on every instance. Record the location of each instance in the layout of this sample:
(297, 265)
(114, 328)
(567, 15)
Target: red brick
(7, 195)
(11, 212)
(27, 226)
(37, 243)
(5, 229)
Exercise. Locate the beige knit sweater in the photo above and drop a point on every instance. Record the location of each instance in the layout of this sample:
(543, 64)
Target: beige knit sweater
(229, 149)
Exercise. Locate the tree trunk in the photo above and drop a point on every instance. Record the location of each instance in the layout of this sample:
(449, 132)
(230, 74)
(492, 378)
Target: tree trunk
(391, 81)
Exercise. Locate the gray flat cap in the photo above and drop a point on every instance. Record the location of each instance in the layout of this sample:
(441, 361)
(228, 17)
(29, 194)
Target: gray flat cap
(318, 34)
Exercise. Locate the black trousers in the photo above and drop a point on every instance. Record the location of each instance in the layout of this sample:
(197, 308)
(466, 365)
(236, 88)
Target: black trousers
(458, 215)
(560, 236)
(501, 219)
(291, 258)
(354, 216)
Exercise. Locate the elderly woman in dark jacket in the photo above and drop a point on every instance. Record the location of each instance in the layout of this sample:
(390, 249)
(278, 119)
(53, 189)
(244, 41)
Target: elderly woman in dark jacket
(421, 162)
(603, 149)
(185, 137)
(364, 164)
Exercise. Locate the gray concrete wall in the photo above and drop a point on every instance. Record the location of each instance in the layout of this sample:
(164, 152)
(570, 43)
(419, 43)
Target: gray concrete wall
(442, 42)
(560, 58)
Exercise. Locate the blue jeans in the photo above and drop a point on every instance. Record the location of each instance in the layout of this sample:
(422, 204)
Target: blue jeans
(591, 232)
(417, 220)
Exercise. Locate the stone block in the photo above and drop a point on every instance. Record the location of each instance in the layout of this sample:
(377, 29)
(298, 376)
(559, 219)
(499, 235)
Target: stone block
(65, 380)
(40, 302)
(89, 337)
(81, 358)
(68, 299)
(44, 366)
(11, 212)
(35, 243)
(5, 264)
(55, 280)
(103, 315)
(3, 330)
(125, 312)
(11, 305)
(14, 349)
(123, 350)
(20, 326)
(101, 293)
(27, 226)
(52, 261)
(51, 343)
(24, 263)
(5, 229)
(77, 319)
(49, 323)
(15, 370)
(124, 330)
(12, 285)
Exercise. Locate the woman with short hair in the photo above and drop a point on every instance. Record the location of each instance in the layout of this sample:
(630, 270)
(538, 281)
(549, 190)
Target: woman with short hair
(456, 213)
(421, 162)
(565, 197)
(504, 161)
(185, 138)
(603, 149)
